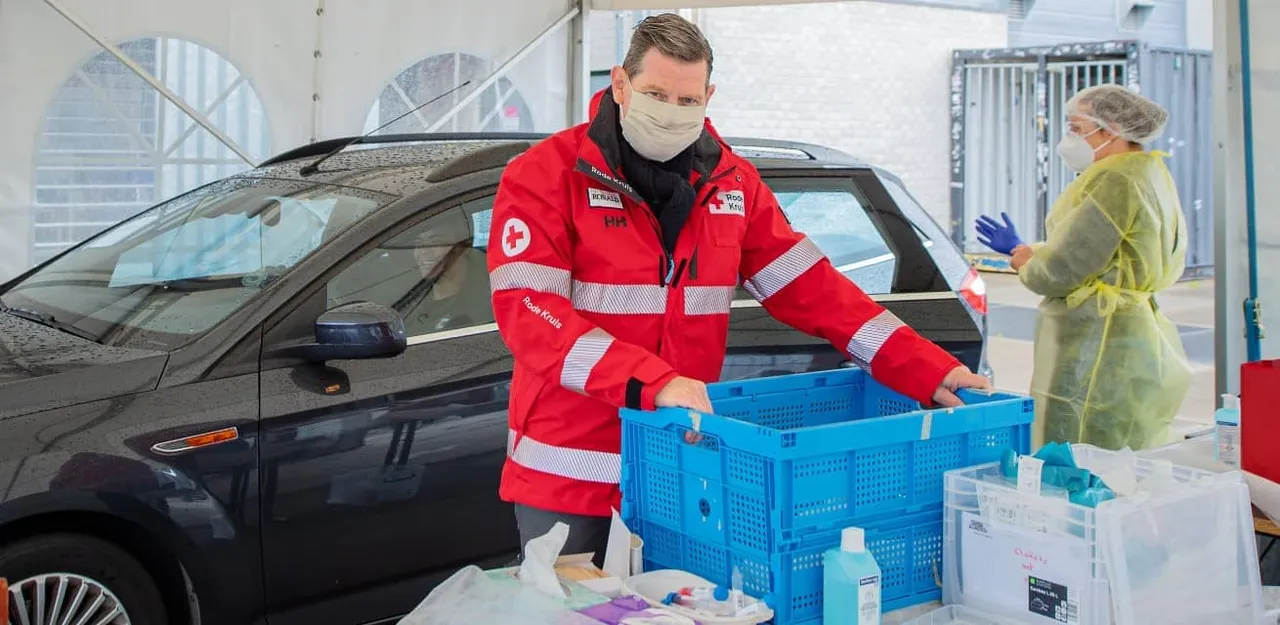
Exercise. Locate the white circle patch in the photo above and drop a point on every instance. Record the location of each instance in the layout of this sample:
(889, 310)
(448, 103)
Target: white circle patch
(515, 237)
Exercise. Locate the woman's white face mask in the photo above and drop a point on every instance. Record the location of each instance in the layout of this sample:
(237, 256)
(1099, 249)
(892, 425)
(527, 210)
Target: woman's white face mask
(1076, 152)
(659, 130)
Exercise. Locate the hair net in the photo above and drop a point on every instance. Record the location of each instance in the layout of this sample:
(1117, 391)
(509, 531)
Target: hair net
(1127, 114)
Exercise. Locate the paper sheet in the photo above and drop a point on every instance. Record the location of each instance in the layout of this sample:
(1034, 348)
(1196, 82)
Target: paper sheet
(1040, 577)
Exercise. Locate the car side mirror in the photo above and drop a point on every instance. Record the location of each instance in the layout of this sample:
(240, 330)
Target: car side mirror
(356, 331)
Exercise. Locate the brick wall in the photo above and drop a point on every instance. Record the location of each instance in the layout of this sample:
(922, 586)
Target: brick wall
(868, 78)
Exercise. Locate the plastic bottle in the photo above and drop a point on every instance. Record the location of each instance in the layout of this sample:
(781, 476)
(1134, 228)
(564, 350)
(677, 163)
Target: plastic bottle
(1226, 432)
(850, 582)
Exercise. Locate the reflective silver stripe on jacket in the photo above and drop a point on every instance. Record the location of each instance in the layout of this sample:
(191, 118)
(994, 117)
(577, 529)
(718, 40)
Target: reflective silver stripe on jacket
(578, 464)
(619, 299)
(708, 300)
(868, 340)
(523, 275)
(583, 358)
(783, 270)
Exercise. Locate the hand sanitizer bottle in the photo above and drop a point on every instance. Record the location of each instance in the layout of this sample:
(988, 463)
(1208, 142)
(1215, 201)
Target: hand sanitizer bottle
(1226, 432)
(850, 582)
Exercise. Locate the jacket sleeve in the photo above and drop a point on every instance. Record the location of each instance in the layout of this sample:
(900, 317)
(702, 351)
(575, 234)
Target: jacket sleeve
(798, 285)
(530, 258)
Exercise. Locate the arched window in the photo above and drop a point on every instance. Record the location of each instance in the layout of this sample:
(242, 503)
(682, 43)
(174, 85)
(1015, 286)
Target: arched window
(499, 109)
(112, 146)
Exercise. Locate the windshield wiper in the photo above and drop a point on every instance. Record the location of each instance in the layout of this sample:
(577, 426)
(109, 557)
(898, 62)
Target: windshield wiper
(49, 322)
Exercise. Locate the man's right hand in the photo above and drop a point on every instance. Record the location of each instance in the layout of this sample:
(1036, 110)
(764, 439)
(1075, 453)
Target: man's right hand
(683, 392)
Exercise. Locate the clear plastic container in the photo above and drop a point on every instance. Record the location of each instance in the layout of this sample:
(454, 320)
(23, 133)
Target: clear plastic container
(959, 615)
(1176, 547)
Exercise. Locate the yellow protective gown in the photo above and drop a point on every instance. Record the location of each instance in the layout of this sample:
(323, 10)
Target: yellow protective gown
(1110, 369)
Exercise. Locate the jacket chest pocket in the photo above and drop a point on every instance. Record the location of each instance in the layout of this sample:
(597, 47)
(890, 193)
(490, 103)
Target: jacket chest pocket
(726, 230)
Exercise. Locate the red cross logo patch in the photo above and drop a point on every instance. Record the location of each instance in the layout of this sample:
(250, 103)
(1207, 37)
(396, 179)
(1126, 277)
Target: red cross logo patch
(515, 237)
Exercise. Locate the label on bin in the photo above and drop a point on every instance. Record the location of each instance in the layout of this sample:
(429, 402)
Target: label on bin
(1050, 600)
(1014, 570)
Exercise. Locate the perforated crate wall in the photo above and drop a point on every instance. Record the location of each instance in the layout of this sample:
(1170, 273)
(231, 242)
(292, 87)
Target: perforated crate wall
(797, 455)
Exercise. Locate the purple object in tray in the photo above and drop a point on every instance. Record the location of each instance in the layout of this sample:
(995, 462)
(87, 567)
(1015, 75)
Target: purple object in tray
(613, 612)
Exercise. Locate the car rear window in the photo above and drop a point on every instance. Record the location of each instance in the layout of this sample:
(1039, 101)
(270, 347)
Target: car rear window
(833, 214)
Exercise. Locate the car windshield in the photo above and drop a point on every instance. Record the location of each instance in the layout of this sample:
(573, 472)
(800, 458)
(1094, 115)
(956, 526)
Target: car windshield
(174, 271)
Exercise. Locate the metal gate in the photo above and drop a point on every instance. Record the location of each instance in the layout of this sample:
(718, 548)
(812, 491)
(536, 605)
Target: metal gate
(1008, 113)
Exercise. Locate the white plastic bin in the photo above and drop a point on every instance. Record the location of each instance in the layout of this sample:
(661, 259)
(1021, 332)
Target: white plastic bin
(1180, 551)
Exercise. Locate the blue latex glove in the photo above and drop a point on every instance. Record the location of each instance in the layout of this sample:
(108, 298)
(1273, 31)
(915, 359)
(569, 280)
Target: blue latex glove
(1000, 238)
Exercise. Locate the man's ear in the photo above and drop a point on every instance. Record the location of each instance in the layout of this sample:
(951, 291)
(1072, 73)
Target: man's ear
(618, 83)
(711, 90)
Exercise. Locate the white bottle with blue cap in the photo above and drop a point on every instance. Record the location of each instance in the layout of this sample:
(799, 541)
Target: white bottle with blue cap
(850, 582)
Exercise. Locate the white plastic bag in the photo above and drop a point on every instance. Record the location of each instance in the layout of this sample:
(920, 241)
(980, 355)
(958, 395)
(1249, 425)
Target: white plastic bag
(470, 596)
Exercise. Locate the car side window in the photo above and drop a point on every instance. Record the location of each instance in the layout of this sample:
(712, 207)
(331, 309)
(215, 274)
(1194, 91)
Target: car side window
(835, 218)
(433, 274)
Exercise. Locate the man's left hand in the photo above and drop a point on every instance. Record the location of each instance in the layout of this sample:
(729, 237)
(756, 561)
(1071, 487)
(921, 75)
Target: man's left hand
(958, 378)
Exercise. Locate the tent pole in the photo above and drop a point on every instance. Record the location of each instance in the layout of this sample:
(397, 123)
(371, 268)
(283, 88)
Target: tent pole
(579, 92)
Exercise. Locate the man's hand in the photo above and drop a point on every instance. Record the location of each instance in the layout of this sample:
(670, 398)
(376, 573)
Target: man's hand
(958, 378)
(685, 393)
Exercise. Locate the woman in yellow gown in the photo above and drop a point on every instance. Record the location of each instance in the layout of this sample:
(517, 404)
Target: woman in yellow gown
(1110, 369)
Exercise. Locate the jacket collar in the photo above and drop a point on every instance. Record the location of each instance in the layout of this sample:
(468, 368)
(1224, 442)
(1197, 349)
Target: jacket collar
(600, 155)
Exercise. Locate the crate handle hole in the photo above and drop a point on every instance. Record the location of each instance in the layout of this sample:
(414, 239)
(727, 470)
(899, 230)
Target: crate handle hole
(704, 507)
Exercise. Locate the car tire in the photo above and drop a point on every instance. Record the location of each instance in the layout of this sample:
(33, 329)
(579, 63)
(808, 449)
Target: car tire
(82, 560)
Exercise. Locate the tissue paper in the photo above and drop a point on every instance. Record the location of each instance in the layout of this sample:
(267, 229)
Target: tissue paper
(539, 566)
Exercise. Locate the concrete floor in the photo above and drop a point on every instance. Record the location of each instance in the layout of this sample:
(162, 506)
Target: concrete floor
(1190, 305)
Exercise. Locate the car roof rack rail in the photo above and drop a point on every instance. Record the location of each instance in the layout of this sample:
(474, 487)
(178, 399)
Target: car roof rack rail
(789, 150)
(320, 148)
(491, 157)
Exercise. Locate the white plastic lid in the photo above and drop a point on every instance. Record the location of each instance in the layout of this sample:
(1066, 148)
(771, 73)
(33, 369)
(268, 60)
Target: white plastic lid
(1230, 402)
(853, 540)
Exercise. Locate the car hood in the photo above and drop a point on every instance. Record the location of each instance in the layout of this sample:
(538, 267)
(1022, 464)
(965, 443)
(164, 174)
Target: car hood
(43, 368)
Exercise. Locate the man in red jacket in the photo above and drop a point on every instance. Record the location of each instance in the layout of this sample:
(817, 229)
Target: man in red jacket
(614, 254)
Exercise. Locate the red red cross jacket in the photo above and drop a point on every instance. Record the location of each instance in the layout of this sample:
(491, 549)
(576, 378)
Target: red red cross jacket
(598, 318)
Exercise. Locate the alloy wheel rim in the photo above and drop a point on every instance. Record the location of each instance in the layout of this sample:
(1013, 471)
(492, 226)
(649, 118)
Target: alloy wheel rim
(64, 599)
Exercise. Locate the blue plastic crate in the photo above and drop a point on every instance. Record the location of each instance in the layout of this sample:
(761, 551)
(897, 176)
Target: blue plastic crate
(796, 455)
(908, 550)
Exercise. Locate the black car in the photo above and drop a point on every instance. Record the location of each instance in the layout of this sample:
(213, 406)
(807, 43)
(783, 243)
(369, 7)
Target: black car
(282, 396)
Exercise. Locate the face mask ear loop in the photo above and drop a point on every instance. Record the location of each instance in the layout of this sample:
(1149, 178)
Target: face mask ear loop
(1100, 127)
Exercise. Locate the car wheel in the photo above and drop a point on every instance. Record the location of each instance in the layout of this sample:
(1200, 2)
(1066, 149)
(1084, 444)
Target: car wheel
(68, 578)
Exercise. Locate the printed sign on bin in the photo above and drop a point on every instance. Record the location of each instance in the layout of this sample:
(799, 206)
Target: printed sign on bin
(1019, 571)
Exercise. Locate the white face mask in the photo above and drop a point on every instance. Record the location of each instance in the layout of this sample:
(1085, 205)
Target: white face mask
(660, 130)
(1076, 152)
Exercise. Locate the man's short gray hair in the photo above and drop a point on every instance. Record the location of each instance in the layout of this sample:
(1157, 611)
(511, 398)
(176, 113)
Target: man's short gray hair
(670, 35)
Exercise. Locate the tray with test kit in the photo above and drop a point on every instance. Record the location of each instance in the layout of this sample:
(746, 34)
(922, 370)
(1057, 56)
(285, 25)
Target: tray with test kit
(787, 462)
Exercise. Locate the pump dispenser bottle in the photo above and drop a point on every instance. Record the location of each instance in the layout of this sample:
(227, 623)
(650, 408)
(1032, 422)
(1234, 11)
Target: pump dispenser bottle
(1226, 432)
(851, 582)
